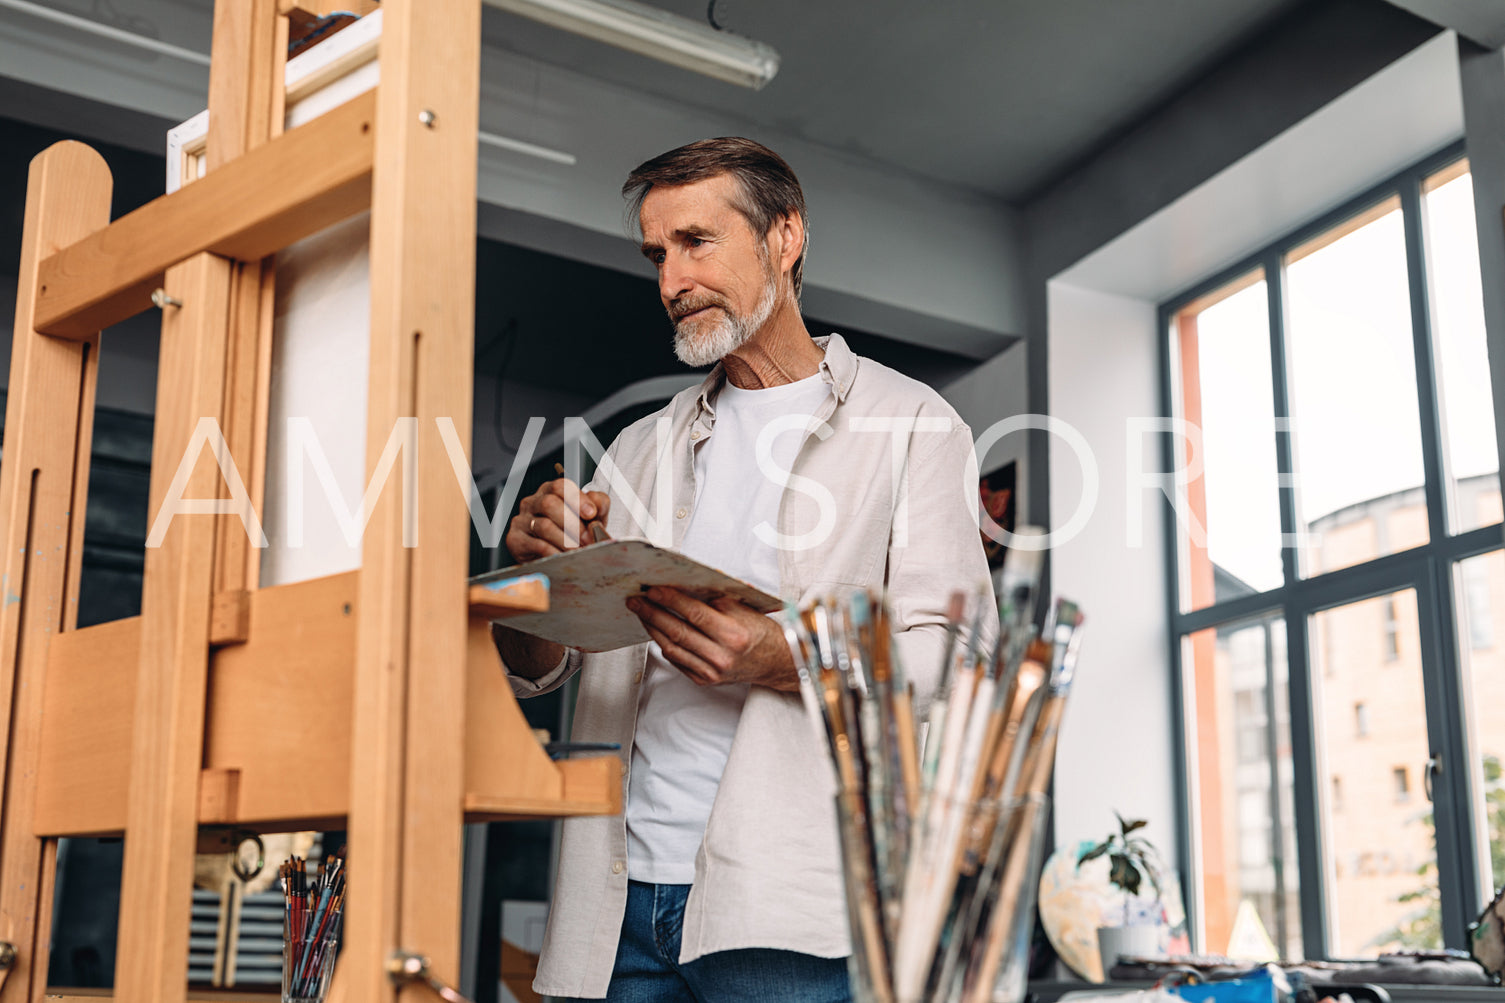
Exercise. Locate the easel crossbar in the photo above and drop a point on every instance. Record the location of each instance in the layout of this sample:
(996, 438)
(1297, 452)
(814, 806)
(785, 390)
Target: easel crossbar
(253, 206)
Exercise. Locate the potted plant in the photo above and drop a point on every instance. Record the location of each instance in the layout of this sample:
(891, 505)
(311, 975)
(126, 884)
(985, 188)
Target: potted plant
(1131, 860)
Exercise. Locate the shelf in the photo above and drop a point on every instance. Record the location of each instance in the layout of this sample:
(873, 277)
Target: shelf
(278, 704)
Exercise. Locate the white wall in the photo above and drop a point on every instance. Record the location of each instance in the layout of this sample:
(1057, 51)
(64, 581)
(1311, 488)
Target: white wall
(1117, 746)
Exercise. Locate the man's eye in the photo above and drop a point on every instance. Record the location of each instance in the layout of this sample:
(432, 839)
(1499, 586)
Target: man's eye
(694, 241)
(657, 257)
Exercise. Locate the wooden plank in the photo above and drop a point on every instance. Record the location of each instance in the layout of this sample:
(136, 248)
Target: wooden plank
(286, 189)
(245, 98)
(230, 610)
(423, 240)
(196, 996)
(503, 761)
(85, 764)
(172, 673)
(294, 676)
(50, 402)
(526, 594)
(589, 787)
(319, 8)
(407, 782)
(219, 797)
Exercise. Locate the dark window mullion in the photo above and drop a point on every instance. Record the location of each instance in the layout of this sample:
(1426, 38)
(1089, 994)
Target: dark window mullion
(1452, 808)
(1447, 725)
(1432, 453)
(1306, 799)
(1186, 858)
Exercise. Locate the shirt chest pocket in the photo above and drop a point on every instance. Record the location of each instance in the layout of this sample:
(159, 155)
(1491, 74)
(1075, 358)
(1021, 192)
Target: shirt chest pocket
(836, 533)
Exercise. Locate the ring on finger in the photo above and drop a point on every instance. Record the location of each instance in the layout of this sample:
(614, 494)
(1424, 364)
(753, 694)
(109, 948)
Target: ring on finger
(531, 520)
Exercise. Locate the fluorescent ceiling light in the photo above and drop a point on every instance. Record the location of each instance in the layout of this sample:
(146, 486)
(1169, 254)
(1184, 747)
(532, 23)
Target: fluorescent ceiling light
(648, 31)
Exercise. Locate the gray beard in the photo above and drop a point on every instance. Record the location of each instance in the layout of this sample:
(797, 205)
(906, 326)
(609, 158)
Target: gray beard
(710, 343)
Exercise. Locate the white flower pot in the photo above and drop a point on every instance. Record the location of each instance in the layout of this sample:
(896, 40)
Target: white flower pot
(1114, 942)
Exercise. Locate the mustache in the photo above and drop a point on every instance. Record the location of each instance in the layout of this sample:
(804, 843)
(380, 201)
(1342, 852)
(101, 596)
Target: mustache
(681, 308)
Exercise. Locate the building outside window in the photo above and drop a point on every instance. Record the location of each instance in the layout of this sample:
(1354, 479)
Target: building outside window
(1336, 565)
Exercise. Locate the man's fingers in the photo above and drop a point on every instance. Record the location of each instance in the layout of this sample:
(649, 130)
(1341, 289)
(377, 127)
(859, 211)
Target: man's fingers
(681, 633)
(582, 504)
(602, 503)
(553, 520)
(704, 617)
(522, 544)
(695, 668)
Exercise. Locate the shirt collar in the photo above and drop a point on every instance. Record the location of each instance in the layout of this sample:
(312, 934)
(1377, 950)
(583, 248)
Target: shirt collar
(838, 369)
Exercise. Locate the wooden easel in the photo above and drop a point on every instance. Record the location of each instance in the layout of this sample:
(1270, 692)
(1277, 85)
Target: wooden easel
(200, 713)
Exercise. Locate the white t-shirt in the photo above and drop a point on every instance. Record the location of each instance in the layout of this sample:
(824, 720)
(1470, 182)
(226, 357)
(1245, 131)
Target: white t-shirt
(684, 731)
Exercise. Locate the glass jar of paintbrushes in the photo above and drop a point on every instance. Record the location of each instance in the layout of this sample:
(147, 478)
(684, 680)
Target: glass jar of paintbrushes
(313, 910)
(941, 845)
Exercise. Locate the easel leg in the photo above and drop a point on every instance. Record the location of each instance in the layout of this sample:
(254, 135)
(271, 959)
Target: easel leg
(50, 402)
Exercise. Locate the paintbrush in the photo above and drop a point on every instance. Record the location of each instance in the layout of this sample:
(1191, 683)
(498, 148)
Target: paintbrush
(930, 874)
(956, 610)
(800, 646)
(885, 659)
(862, 889)
(1003, 917)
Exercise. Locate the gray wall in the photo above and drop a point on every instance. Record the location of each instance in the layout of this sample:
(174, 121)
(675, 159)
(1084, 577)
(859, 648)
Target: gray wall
(1301, 64)
(870, 224)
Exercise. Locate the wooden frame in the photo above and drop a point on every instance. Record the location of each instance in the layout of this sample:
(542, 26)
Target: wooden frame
(194, 713)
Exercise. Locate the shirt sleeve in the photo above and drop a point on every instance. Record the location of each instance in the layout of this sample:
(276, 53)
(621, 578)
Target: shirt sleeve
(523, 687)
(942, 553)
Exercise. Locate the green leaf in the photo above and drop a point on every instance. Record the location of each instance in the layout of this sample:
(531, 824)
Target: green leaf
(1123, 873)
(1132, 824)
(1092, 854)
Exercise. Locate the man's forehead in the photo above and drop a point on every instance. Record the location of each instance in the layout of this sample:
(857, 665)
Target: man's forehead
(673, 205)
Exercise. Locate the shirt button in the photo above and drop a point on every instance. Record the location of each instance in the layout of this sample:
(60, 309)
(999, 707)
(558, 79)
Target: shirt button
(680, 514)
(638, 678)
(695, 434)
(616, 867)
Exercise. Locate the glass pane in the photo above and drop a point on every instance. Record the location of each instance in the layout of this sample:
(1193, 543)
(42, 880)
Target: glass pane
(1468, 416)
(1481, 639)
(1356, 426)
(1372, 743)
(1229, 523)
(1241, 741)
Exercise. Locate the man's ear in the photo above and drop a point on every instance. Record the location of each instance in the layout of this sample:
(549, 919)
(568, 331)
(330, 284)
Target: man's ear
(787, 235)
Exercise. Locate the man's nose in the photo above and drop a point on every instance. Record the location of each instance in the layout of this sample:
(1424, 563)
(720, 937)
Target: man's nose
(674, 280)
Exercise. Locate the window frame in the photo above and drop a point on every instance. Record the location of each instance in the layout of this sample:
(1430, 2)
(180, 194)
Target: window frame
(1428, 569)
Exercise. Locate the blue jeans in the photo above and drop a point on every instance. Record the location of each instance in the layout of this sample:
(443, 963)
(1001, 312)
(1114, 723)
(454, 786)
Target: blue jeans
(648, 970)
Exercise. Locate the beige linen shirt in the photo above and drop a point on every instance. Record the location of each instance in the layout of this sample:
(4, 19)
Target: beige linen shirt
(882, 495)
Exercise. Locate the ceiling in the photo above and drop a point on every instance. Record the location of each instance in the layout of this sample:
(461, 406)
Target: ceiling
(994, 96)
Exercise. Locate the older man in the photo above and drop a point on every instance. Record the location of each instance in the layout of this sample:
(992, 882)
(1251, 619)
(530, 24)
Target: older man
(799, 467)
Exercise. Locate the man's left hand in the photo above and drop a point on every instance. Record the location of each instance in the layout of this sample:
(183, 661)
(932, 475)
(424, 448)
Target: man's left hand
(723, 641)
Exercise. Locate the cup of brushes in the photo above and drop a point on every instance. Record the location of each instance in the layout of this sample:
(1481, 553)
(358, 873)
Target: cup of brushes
(313, 908)
(941, 849)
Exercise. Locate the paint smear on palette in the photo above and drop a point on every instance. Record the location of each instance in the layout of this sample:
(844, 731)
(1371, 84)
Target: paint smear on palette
(589, 588)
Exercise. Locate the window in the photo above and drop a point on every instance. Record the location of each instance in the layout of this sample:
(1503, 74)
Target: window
(1480, 619)
(1244, 823)
(1345, 515)
(1392, 632)
(1231, 538)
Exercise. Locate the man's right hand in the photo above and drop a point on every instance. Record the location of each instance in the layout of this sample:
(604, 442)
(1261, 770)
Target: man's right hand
(549, 521)
(553, 519)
